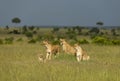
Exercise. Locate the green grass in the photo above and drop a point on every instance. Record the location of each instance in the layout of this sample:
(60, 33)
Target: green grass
(19, 62)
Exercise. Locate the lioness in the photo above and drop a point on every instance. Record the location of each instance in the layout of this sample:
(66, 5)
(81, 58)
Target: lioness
(51, 49)
(80, 53)
(67, 48)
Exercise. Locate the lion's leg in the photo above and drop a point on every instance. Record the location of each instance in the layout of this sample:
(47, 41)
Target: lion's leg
(58, 51)
(78, 57)
(50, 54)
(86, 57)
(81, 57)
(47, 56)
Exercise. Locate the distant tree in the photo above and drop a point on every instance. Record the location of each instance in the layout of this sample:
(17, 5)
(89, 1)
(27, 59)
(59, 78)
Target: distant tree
(24, 29)
(7, 27)
(37, 28)
(65, 27)
(99, 23)
(94, 30)
(113, 31)
(69, 29)
(16, 20)
(73, 28)
(31, 28)
(55, 30)
(29, 34)
(1, 41)
(16, 31)
(79, 29)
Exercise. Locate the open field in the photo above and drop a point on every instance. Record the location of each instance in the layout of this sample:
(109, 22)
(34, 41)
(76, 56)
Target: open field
(19, 60)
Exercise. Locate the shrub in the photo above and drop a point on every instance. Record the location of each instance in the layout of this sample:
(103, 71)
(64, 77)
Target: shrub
(39, 38)
(98, 39)
(20, 39)
(24, 29)
(32, 41)
(1, 41)
(71, 35)
(72, 42)
(34, 32)
(101, 40)
(9, 40)
(105, 41)
(31, 28)
(116, 42)
(94, 30)
(29, 34)
(83, 41)
(55, 42)
(48, 37)
(55, 30)
(16, 32)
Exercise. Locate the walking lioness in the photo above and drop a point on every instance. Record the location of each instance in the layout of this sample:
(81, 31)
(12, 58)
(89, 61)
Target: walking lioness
(67, 48)
(80, 53)
(51, 49)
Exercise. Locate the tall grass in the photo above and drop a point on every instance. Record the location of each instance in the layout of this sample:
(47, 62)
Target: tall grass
(19, 62)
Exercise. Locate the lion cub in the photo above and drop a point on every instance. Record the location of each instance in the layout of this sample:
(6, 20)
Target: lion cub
(80, 53)
(41, 58)
(51, 49)
(67, 48)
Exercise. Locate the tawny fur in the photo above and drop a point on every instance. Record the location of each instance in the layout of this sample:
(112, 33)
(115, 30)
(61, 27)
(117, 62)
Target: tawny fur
(67, 48)
(41, 58)
(51, 49)
(80, 53)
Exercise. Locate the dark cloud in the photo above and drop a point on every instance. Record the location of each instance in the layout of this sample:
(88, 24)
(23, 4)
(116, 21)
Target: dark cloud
(60, 12)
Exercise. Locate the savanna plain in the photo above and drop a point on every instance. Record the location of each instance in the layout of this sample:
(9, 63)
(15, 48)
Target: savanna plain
(19, 60)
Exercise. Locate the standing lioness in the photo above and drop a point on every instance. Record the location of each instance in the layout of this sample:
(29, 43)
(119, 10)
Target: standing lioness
(80, 53)
(67, 48)
(51, 49)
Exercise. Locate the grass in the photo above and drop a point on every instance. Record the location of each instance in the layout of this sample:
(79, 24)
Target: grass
(19, 62)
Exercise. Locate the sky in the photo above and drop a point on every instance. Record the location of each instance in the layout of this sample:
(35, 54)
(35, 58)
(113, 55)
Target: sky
(60, 12)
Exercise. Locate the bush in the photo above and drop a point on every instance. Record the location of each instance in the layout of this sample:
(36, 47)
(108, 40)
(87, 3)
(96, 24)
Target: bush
(116, 42)
(72, 42)
(20, 39)
(105, 41)
(16, 32)
(55, 42)
(94, 30)
(101, 40)
(9, 40)
(83, 41)
(29, 34)
(31, 28)
(24, 29)
(48, 37)
(32, 41)
(39, 38)
(1, 41)
(55, 30)
(71, 35)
